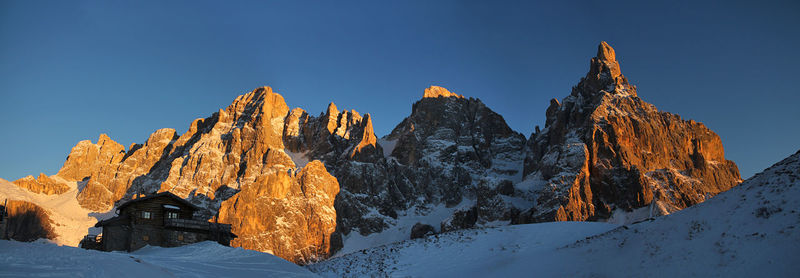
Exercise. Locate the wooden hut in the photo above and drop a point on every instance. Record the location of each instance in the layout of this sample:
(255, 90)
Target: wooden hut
(161, 219)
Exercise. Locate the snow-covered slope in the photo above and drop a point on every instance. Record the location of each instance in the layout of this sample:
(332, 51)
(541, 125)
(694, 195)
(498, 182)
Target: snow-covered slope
(750, 230)
(462, 253)
(71, 221)
(206, 259)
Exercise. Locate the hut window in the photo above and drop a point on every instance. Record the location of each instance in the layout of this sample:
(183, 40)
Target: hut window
(145, 237)
(180, 237)
(146, 215)
(172, 215)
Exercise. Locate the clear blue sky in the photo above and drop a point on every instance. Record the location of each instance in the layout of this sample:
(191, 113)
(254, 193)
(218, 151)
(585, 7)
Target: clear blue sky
(71, 70)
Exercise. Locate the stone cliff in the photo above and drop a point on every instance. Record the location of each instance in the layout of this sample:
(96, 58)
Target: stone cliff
(234, 165)
(603, 149)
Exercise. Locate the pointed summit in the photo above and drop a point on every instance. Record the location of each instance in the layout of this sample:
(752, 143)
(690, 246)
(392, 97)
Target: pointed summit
(606, 60)
(265, 90)
(605, 52)
(605, 149)
(605, 75)
(332, 110)
(436, 91)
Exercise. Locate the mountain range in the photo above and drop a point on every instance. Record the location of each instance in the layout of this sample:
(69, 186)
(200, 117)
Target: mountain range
(304, 187)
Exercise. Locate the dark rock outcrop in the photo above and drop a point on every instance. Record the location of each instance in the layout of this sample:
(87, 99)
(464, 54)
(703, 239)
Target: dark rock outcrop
(420, 230)
(461, 219)
(27, 222)
(449, 146)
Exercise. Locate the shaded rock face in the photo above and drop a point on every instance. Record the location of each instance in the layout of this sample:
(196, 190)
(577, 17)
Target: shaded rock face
(43, 185)
(27, 222)
(439, 155)
(455, 149)
(605, 149)
(346, 143)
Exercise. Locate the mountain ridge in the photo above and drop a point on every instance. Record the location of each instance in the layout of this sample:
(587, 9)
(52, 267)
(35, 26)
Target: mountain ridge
(301, 186)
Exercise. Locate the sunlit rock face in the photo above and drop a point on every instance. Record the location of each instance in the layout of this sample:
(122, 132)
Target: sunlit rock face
(234, 166)
(604, 149)
(290, 215)
(43, 184)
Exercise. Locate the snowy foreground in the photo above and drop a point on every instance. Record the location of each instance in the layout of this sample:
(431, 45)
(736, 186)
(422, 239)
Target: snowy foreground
(206, 259)
(752, 230)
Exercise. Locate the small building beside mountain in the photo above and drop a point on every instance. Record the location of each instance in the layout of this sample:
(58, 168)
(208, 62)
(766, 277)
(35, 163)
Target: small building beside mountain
(162, 219)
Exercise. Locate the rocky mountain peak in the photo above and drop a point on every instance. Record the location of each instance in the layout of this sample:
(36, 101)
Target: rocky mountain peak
(368, 138)
(84, 154)
(296, 185)
(605, 76)
(605, 151)
(332, 110)
(605, 52)
(436, 91)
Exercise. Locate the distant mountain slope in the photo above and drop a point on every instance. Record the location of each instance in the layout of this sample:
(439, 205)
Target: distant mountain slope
(206, 259)
(752, 230)
(70, 222)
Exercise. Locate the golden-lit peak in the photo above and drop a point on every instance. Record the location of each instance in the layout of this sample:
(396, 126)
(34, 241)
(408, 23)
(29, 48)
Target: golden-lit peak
(605, 52)
(436, 91)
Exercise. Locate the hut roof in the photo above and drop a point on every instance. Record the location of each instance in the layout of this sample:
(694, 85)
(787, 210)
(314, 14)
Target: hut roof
(165, 193)
(116, 220)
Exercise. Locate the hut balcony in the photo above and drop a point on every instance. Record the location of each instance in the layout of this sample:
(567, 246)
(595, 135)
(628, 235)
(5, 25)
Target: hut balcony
(195, 224)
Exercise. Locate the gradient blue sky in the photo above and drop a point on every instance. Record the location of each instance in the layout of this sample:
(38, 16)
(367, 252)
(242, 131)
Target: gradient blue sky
(71, 70)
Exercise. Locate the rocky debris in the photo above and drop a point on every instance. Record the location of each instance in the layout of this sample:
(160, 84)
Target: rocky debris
(27, 222)
(461, 219)
(420, 230)
(43, 185)
(604, 149)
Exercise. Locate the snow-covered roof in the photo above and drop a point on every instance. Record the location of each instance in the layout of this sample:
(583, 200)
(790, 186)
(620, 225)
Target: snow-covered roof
(171, 207)
(166, 193)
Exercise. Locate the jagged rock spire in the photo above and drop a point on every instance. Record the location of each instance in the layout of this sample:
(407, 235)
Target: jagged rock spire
(605, 52)
(604, 149)
(605, 75)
